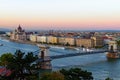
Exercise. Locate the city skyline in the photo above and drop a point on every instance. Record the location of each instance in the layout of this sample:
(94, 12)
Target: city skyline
(60, 14)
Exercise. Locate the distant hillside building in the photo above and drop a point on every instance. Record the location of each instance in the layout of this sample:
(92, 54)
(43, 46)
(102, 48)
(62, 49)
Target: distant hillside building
(18, 34)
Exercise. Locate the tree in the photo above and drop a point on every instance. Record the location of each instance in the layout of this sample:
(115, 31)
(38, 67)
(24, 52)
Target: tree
(4, 58)
(108, 78)
(32, 77)
(67, 44)
(82, 46)
(52, 76)
(21, 65)
(118, 44)
(76, 74)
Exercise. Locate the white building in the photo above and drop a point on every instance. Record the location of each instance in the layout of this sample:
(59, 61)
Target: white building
(33, 38)
(52, 39)
(41, 39)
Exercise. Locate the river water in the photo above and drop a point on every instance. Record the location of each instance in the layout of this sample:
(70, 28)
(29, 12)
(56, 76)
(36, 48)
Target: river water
(100, 67)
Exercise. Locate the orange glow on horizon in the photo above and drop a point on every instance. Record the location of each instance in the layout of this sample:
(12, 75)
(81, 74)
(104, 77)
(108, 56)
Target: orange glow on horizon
(61, 21)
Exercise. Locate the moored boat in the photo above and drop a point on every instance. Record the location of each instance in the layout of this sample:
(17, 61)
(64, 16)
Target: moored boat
(1, 44)
(114, 55)
(69, 47)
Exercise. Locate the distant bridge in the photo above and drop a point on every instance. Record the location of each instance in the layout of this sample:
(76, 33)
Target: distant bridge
(77, 54)
(74, 54)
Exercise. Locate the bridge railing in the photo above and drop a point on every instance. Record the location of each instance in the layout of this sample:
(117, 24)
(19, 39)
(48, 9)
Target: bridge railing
(77, 54)
(74, 54)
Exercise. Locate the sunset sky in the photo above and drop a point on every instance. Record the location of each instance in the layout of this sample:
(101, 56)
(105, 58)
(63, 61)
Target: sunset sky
(60, 14)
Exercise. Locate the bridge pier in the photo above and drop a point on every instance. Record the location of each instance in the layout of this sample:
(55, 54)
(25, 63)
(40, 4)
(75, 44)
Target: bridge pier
(44, 61)
(113, 53)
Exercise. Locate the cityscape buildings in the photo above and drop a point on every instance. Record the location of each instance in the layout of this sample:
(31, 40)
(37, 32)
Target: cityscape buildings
(88, 40)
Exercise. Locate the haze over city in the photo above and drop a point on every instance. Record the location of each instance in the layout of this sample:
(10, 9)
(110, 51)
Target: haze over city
(60, 14)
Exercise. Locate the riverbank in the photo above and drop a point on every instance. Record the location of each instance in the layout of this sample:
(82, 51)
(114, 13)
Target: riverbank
(35, 43)
(18, 41)
(24, 42)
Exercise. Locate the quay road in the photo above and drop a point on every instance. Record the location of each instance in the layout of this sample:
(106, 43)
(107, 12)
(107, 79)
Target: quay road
(77, 54)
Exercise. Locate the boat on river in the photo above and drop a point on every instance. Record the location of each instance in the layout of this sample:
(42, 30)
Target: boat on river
(113, 55)
(69, 47)
(57, 47)
(1, 44)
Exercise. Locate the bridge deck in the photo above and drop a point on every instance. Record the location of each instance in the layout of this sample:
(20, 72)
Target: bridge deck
(73, 54)
(77, 54)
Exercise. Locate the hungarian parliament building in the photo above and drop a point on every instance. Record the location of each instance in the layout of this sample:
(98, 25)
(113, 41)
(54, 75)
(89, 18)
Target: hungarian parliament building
(20, 34)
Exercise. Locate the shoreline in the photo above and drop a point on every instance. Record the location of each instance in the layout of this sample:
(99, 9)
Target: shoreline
(22, 42)
(35, 43)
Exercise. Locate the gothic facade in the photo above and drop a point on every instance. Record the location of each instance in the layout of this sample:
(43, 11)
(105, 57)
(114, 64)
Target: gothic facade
(18, 34)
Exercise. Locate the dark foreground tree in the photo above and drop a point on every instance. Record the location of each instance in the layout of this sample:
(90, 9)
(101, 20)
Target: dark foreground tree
(76, 74)
(21, 65)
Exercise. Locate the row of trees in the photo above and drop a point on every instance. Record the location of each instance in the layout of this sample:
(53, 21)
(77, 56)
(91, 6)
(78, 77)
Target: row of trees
(71, 74)
(22, 68)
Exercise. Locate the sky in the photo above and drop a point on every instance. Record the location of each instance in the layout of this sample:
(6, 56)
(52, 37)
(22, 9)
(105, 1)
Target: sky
(60, 14)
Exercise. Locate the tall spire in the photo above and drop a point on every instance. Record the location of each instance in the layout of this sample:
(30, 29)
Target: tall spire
(19, 28)
(19, 25)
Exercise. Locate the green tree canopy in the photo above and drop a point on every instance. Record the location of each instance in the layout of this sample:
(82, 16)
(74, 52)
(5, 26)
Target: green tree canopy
(67, 44)
(52, 76)
(118, 44)
(108, 78)
(4, 59)
(76, 74)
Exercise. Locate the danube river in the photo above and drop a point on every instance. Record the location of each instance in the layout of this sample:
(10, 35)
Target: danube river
(96, 63)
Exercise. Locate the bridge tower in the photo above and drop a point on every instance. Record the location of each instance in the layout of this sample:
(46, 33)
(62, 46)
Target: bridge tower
(113, 54)
(44, 58)
(112, 46)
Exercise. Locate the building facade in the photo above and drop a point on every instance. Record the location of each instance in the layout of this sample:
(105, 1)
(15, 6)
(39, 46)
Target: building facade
(88, 43)
(18, 34)
(33, 38)
(52, 39)
(70, 41)
(61, 40)
(98, 41)
(41, 39)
